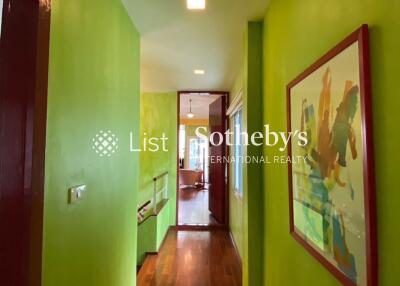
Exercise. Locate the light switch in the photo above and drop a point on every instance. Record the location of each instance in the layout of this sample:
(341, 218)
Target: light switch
(75, 193)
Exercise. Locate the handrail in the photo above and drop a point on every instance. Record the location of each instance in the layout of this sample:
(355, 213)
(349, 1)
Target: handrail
(162, 190)
(161, 204)
(155, 196)
(160, 176)
(144, 205)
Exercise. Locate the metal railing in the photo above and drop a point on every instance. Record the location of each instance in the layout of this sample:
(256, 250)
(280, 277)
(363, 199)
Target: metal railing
(163, 190)
(159, 194)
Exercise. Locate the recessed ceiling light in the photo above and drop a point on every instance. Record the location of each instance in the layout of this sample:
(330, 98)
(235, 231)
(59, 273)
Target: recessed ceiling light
(199, 72)
(196, 4)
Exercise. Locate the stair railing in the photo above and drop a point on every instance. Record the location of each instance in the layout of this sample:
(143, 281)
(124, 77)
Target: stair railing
(164, 190)
(154, 200)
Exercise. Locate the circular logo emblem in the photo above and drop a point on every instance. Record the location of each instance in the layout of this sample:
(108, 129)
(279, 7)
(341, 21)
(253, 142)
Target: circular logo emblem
(105, 143)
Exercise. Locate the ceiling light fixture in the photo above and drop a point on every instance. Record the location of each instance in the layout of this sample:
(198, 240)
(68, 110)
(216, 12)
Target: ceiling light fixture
(190, 114)
(199, 72)
(196, 4)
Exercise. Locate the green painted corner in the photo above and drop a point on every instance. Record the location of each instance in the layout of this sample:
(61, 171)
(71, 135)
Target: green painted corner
(246, 213)
(151, 233)
(163, 224)
(146, 238)
(236, 216)
(158, 113)
(93, 85)
(253, 196)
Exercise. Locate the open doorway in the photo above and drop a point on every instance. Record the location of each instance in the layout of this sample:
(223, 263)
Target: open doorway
(202, 198)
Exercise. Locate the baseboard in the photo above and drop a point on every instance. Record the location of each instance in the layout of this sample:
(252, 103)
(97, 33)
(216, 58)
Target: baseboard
(165, 238)
(235, 246)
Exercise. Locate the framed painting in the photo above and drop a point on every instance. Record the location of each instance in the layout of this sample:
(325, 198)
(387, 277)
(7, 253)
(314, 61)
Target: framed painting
(331, 191)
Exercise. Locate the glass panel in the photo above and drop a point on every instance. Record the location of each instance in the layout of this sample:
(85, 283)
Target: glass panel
(1, 14)
(238, 153)
(198, 153)
(182, 141)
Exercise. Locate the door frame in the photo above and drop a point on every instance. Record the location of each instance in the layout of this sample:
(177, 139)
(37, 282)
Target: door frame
(201, 227)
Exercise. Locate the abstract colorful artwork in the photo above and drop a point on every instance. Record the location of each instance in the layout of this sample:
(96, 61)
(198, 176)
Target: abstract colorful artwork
(331, 195)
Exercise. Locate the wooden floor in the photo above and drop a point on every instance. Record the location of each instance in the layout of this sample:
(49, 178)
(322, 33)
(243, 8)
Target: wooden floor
(193, 258)
(193, 208)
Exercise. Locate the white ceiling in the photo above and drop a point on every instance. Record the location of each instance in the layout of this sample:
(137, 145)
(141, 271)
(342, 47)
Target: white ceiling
(200, 105)
(175, 41)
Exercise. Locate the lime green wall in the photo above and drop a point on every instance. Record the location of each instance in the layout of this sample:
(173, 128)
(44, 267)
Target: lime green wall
(235, 214)
(246, 213)
(158, 113)
(236, 202)
(93, 86)
(163, 223)
(253, 179)
(296, 33)
(191, 130)
(146, 238)
(151, 233)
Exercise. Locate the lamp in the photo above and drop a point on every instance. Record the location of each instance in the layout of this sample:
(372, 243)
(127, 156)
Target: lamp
(190, 114)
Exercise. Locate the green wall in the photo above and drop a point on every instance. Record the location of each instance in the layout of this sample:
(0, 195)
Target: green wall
(235, 201)
(253, 179)
(235, 213)
(151, 233)
(93, 86)
(246, 214)
(158, 113)
(191, 130)
(296, 33)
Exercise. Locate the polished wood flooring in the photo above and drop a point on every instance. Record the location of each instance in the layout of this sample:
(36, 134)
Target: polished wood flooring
(193, 258)
(193, 208)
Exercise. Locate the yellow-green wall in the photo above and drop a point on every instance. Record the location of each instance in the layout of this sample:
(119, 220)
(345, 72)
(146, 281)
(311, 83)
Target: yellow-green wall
(191, 130)
(246, 213)
(235, 214)
(253, 179)
(93, 85)
(236, 201)
(158, 113)
(296, 33)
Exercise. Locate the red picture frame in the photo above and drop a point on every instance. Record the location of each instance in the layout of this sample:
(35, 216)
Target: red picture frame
(361, 36)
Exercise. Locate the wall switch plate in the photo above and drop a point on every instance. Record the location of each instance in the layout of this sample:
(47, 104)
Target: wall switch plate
(75, 193)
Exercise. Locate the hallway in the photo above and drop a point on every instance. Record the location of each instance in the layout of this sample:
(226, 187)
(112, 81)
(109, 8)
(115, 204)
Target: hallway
(193, 258)
(199, 143)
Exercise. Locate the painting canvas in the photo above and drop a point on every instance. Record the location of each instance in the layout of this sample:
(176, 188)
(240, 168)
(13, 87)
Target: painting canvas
(331, 194)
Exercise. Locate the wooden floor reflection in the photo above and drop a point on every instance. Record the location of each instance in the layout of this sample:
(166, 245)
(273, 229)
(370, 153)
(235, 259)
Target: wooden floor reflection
(193, 258)
(193, 208)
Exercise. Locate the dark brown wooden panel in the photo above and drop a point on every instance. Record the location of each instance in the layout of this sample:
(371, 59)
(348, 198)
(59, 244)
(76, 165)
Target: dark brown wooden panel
(24, 49)
(217, 177)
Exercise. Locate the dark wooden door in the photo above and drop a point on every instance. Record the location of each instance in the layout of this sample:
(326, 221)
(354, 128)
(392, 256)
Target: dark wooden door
(217, 178)
(24, 47)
